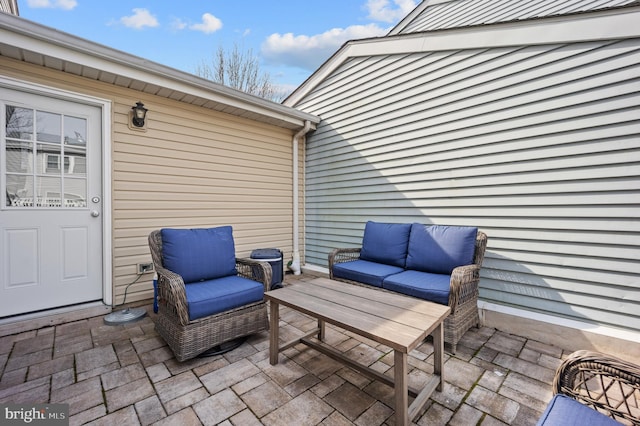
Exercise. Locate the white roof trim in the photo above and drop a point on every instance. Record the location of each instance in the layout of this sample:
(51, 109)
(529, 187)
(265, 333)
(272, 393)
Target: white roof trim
(600, 25)
(33, 37)
(412, 15)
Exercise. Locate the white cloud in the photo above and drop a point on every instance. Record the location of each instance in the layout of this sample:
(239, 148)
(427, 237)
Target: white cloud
(178, 24)
(210, 24)
(310, 51)
(141, 18)
(384, 11)
(52, 4)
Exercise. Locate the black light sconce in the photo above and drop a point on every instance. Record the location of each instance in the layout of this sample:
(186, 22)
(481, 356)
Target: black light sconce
(138, 115)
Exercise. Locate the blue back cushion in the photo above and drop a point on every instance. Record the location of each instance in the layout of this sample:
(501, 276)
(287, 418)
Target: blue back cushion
(199, 254)
(385, 243)
(439, 249)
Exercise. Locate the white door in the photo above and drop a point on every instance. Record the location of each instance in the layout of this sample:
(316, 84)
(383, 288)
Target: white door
(50, 211)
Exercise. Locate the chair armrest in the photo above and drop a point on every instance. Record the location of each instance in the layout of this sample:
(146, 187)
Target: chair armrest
(255, 270)
(608, 384)
(172, 294)
(464, 286)
(341, 255)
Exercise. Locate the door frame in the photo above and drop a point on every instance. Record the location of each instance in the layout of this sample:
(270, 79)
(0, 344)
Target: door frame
(105, 107)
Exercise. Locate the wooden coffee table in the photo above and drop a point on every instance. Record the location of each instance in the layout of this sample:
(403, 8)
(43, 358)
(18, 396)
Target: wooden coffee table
(394, 320)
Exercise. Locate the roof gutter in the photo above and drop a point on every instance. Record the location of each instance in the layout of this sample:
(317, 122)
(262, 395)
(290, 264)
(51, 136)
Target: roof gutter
(295, 263)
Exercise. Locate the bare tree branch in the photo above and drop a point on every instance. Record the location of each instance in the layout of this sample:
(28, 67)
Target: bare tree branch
(240, 70)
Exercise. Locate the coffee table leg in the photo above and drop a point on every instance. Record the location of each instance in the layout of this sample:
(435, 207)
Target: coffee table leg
(438, 358)
(321, 330)
(274, 332)
(401, 388)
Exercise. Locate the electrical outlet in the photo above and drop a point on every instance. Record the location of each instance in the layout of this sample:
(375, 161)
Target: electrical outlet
(144, 268)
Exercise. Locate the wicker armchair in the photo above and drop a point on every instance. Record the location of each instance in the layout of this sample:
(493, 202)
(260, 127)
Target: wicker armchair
(189, 338)
(463, 296)
(609, 385)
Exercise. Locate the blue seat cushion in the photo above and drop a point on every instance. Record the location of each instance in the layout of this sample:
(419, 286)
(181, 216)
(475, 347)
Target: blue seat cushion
(221, 294)
(565, 411)
(363, 271)
(199, 254)
(385, 243)
(424, 285)
(440, 249)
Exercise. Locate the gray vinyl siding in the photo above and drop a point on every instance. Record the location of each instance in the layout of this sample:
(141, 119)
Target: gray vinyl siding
(465, 13)
(538, 146)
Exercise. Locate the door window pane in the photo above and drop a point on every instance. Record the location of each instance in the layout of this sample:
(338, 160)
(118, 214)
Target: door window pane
(48, 190)
(20, 190)
(19, 158)
(48, 127)
(75, 131)
(78, 166)
(19, 122)
(48, 159)
(75, 162)
(75, 167)
(75, 192)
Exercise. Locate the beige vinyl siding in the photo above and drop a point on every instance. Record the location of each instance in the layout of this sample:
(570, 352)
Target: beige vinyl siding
(538, 146)
(193, 167)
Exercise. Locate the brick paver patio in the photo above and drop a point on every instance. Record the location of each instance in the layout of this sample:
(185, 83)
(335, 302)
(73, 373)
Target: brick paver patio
(126, 375)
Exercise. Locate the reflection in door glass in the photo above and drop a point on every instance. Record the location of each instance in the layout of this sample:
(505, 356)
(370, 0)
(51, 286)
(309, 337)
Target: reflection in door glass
(75, 131)
(19, 122)
(75, 166)
(48, 127)
(19, 158)
(48, 191)
(50, 171)
(75, 192)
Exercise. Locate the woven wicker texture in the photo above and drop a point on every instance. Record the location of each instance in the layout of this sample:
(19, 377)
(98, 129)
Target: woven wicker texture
(605, 383)
(188, 339)
(463, 296)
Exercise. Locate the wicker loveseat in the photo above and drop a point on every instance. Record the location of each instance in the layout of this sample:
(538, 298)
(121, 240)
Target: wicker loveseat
(593, 389)
(206, 296)
(432, 262)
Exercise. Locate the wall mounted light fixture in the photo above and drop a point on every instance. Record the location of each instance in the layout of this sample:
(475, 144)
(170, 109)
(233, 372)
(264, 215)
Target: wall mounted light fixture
(139, 114)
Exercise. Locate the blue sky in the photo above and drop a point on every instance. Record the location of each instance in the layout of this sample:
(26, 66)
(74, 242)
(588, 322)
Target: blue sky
(291, 37)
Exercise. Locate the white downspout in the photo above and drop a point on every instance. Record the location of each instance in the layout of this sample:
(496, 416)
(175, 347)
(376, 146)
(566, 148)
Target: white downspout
(295, 263)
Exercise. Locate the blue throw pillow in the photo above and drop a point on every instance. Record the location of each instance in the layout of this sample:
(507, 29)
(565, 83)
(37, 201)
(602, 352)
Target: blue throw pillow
(439, 249)
(385, 243)
(199, 254)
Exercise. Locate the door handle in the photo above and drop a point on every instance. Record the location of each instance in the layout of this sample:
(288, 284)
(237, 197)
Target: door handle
(95, 213)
